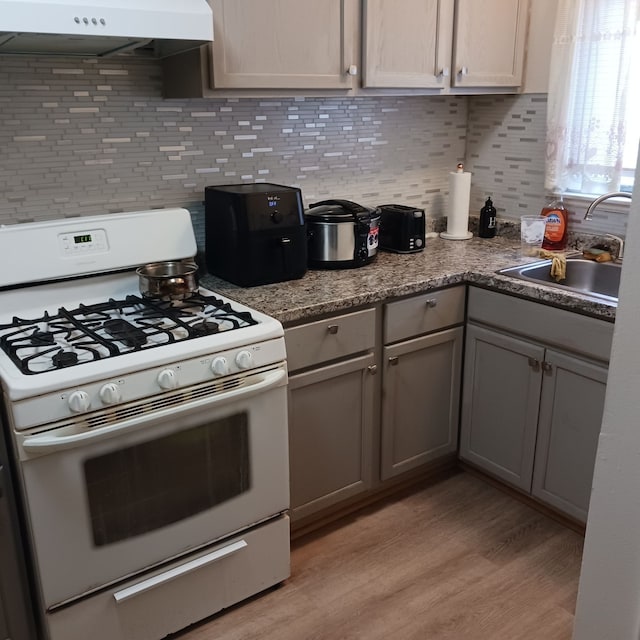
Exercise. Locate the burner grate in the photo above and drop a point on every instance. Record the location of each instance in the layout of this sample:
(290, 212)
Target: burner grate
(115, 327)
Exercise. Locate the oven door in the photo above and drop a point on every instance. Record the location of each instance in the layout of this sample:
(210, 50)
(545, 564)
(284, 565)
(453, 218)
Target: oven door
(186, 469)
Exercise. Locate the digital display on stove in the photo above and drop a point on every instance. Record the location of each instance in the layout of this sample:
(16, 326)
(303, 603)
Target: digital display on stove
(273, 203)
(83, 238)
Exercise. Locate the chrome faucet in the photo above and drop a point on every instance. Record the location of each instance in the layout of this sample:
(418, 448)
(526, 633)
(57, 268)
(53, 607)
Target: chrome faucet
(606, 196)
(602, 198)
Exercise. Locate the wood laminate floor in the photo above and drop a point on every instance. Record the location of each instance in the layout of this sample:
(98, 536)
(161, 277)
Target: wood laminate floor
(456, 560)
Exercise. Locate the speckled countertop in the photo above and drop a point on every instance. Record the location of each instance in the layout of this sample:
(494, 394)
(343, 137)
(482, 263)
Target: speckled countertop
(442, 263)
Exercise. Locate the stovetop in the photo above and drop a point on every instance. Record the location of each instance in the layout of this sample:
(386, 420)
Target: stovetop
(117, 326)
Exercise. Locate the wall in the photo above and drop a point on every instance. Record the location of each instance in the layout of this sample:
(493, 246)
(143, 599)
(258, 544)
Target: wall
(506, 145)
(608, 604)
(81, 137)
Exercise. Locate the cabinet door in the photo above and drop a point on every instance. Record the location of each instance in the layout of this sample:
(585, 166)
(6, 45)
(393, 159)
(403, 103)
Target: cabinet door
(501, 391)
(421, 397)
(407, 44)
(330, 434)
(571, 407)
(489, 39)
(283, 44)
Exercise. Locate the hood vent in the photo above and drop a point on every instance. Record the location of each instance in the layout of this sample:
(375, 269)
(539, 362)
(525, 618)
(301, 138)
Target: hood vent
(103, 27)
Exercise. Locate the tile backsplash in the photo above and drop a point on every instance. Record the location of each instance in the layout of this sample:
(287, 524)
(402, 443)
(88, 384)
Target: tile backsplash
(81, 137)
(88, 136)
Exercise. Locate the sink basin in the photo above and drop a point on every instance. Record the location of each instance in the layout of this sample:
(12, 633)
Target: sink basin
(596, 279)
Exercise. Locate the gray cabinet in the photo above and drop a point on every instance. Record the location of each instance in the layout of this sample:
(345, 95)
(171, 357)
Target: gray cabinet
(331, 410)
(500, 404)
(421, 379)
(571, 407)
(531, 410)
(420, 401)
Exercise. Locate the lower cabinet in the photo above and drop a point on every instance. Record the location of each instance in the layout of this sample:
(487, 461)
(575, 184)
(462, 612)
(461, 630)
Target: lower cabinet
(531, 413)
(421, 395)
(571, 407)
(372, 394)
(331, 413)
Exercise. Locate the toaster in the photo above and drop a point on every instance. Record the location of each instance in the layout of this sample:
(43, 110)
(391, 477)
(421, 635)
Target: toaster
(402, 228)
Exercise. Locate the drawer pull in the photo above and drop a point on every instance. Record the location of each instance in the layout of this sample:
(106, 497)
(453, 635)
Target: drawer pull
(393, 361)
(177, 572)
(431, 303)
(332, 329)
(372, 369)
(534, 364)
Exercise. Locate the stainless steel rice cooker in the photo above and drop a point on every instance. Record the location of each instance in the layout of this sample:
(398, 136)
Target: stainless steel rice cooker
(341, 234)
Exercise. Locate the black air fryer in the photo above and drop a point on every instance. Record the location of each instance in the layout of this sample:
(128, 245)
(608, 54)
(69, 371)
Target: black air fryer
(255, 233)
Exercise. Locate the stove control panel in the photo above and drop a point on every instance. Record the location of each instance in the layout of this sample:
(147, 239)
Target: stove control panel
(106, 394)
(82, 243)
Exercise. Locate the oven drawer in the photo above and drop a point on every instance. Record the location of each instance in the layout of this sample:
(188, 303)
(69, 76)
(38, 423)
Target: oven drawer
(164, 601)
(330, 339)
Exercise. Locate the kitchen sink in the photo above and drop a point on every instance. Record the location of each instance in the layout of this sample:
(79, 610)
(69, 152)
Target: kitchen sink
(599, 280)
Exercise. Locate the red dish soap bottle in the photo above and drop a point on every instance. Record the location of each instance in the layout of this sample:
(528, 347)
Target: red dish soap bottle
(555, 233)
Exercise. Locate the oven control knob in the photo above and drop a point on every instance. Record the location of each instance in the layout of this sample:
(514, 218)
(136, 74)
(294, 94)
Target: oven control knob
(110, 393)
(243, 359)
(79, 401)
(220, 366)
(167, 379)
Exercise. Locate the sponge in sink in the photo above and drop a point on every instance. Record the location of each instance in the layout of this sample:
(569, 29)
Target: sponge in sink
(599, 255)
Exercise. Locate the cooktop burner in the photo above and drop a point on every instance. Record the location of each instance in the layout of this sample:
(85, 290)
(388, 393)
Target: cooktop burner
(97, 331)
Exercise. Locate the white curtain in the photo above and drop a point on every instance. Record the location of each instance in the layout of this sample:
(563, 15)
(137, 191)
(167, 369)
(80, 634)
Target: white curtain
(590, 70)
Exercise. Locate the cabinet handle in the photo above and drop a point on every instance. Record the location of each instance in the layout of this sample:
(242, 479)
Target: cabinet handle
(352, 70)
(372, 369)
(332, 329)
(547, 366)
(464, 71)
(443, 73)
(393, 361)
(431, 303)
(534, 364)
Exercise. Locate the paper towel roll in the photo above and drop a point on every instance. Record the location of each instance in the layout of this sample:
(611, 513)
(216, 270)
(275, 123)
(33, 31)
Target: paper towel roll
(458, 210)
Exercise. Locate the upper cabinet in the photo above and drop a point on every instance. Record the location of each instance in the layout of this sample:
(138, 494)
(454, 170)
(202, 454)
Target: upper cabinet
(279, 47)
(444, 44)
(283, 44)
(408, 47)
(489, 43)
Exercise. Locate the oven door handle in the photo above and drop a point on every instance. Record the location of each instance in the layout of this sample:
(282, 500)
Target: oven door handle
(177, 572)
(48, 442)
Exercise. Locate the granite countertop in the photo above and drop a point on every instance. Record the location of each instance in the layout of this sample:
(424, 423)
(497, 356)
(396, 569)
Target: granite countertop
(390, 275)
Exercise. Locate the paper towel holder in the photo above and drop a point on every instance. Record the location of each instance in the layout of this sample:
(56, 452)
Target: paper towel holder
(460, 210)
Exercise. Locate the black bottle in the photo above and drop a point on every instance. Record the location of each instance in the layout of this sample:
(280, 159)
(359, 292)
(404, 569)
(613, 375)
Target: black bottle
(487, 224)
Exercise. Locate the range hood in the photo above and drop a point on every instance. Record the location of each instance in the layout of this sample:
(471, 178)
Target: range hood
(103, 27)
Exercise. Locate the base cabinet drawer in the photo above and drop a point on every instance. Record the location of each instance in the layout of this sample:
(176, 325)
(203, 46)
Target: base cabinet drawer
(423, 314)
(145, 608)
(330, 339)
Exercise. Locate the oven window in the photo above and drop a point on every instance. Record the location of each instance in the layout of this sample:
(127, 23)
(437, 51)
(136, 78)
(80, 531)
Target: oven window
(150, 485)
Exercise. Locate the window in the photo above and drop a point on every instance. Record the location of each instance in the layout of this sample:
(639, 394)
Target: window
(592, 126)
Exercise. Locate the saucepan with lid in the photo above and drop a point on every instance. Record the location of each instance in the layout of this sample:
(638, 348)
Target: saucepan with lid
(170, 280)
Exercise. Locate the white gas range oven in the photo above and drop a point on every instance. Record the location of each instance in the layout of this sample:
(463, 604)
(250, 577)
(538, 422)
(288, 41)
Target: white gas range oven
(149, 437)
